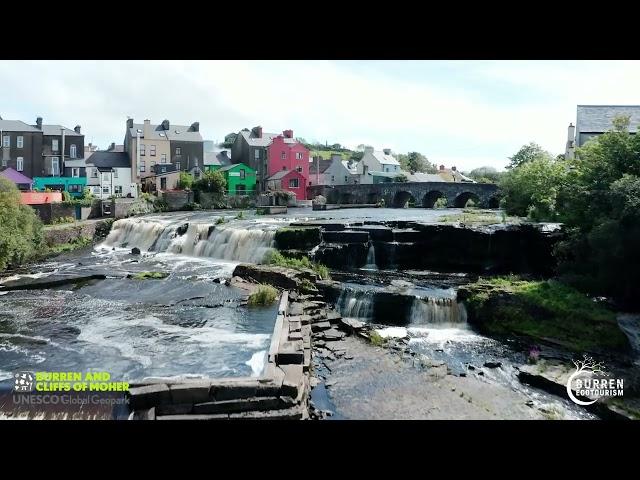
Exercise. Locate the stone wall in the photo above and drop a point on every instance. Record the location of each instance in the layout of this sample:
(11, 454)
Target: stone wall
(126, 207)
(49, 212)
(176, 200)
(94, 229)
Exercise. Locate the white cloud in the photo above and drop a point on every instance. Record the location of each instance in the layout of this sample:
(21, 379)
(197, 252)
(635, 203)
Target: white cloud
(457, 123)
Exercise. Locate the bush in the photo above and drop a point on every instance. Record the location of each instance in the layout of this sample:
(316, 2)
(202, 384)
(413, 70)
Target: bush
(440, 203)
(211, 182)
(193, 206)
(470, 204)
(66, 196)
(186, 181)
(220, 221)
(264, 295)
(274, 257)
(20, 228)
(61, 220)
(150, 275)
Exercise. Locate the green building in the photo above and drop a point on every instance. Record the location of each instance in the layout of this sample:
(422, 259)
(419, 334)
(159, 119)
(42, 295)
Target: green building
(74, 185)
(241, 179)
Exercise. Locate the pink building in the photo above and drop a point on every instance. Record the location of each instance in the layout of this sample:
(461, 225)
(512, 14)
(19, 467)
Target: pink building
(283, 155)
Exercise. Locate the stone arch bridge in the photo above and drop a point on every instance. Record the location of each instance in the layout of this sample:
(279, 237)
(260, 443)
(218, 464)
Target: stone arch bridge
(418, 194)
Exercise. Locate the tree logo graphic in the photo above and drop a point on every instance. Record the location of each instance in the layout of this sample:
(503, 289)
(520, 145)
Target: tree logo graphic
(23, 382)
(594, 383)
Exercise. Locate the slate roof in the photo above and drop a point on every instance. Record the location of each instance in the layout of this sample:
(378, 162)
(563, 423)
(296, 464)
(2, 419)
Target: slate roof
(16, 126)
(76, 162)
(55, 130)
(217, 158)
(15, 176)
(424, 177)
(110, 160)
(385, 159)
(279, 175)
(598, 118)
(266, 139)
(186, 133)
(324, 164)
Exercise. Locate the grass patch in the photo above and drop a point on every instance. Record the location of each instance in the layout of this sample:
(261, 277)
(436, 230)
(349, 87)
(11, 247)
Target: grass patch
(376, 339)
(150, 275)
(75, 244)
(220, 221)
(264, 295)
(276, 258)
(543, 310)
(479, 217)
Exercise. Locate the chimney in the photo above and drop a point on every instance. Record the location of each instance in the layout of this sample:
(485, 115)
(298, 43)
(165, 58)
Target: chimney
(77, 129)
(39, 123)
(288, 133)
(195, 126)
(166, 125)
(441, 167)
(129, 122)
(112, 147)
(387, 151)
(368, 149)
(257, 131)
(571, 133)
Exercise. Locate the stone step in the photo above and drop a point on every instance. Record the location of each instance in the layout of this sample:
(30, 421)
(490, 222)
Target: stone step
(238, 405)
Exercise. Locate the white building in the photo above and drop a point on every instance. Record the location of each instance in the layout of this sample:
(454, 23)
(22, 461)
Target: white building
(331, 171)
(109, 174)
(376, 161)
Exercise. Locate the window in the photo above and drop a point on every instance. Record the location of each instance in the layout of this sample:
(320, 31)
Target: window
(299, 156)
(54, 144)
(20, 163)
(163, 183)
(72, 151)
(115, 173)
(346, 179)
(94, 173)
(142, 166)
(74, 188)
(6, 141)
(293, 183)
(333, 178)
(178, 166)
(4, 162)
(152, 149)
(243, 174)
(256, 154)
(178, 151)
(283, 155)
(20, 141)
(105, 177)
(106, 189)
(142, 149)
(299, 169)
(163, 158)
(55, 166)
(240, 189)
(75, 172)
(117, 189)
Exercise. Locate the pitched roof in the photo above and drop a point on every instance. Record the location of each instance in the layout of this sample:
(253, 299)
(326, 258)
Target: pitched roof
(55, 130)
(384, 159)
(265, 140)
(424, 177)
(180, 133)
(15, 176)
(76, 162)
(279, 175)
(104, 159)
(599, 118)
(354, 166)
(322, 166)
(217, 157)
(16, 126)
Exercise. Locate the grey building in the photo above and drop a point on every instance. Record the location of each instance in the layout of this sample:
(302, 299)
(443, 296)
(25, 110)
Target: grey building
(39, 150)
(594, 120)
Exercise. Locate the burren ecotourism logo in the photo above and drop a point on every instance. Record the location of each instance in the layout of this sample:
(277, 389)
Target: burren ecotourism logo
(589, 382)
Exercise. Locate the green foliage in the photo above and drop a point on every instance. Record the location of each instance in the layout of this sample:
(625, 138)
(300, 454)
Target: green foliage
(150, 275)
(264, 295)
(416, 162)
(477, 216)
(66, 196)
(440, 203)
(61, 220)
(485, 175)
(211, 182)
(229, 140)
(160, 204)
(273, 257)
(220, 221)
(20, 228)
(240, 216)
(185, 181)
(192, 206)
(401, 178)
(75, 244)
(376, 339)
(528, 153)
(546, 311)
(470, 204)
(532, 189)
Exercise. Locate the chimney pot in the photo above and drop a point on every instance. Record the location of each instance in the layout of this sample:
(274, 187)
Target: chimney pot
(195, 126)
(166, 125)
(77, 129)
(129, 122)
(387, 151)
(147, 122)
(39, 123)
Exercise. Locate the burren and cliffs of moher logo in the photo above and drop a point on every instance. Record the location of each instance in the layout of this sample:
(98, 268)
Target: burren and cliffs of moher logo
(590, 383)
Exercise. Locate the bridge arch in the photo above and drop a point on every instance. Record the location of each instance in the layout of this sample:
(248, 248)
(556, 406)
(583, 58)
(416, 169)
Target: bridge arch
(494, 202)
(462, 198)
(403, 199)
(431, 197)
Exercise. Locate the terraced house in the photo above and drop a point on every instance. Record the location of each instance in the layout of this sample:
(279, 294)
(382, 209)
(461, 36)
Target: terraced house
(148, 145)
(44, 152)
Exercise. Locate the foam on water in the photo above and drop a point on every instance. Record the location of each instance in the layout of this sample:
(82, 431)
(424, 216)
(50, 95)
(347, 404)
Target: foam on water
(257, 362)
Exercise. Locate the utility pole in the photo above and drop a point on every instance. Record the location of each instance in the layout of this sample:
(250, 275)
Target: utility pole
(61, 166)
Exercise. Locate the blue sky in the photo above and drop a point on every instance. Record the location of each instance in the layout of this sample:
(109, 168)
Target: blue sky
(462, 113)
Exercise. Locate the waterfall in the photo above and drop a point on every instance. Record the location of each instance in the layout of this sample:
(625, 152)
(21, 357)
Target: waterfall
(371, 258)
(355, 304)
(224, 242)
(437, 310)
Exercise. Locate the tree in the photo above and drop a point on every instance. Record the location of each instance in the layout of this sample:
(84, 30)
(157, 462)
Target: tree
(528, 153)
(485, 175)
(401, 178)
(20, 228)
(416, 162)
(229, 140)
(185, 182)
(211, 182)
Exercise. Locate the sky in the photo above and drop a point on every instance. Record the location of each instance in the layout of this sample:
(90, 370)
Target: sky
(466, 114)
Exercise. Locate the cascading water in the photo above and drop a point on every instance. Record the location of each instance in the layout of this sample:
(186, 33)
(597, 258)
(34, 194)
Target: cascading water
(355, 304)
(226, 242)
(437, 311)
(371, 258)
